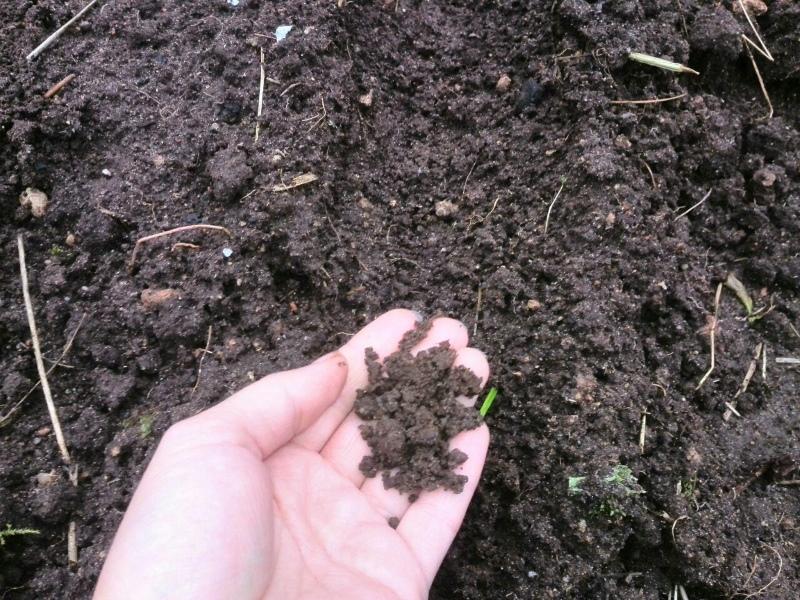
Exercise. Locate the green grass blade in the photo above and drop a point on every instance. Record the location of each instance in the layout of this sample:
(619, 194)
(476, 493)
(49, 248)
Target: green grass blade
(487, 403)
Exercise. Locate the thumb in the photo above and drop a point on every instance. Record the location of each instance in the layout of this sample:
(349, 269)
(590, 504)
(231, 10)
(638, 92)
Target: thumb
(272, 411)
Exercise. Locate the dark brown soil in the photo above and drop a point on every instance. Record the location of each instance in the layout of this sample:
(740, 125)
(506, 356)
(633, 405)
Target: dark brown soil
(411, 411)
(431, 195)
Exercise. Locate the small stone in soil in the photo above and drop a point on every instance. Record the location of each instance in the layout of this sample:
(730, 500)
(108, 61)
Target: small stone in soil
(411, 411)
(445, 209)
(35, 200)
(503, 83)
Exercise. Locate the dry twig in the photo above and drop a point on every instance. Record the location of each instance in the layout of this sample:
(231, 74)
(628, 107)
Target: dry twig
(58, 32)
(59, 86)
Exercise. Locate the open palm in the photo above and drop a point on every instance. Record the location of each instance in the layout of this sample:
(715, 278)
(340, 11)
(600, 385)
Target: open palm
(261, 495)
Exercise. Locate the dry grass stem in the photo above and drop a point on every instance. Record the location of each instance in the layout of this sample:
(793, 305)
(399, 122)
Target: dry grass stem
(161, 234)
(643, 432)
(731, 410)
(760, 80)
(550, 208)
(650, 171)
(37, 352)
(660, 63)
(693, 206)
(787, 360)
(651, 100)
(72, 544)
(260, 97)
(297, 181)
(58, 32)
(477, 311)
(202, 358)
(672, 529)
(712, 337)
(751, 369)
(769, 584)
(761, 46)
(466, 180)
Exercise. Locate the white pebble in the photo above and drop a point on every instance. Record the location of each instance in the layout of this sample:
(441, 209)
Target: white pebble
(106, 172)
(227, 252)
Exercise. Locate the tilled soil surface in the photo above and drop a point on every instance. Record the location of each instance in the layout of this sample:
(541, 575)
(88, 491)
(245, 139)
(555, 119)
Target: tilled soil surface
(441, 134)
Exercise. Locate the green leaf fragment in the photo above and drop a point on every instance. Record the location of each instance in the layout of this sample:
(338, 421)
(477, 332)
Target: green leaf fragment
(487, 403)
(574, 485)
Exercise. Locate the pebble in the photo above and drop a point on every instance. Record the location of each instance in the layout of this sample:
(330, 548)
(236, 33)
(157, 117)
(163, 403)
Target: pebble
(227, 252)
(445, 209)
(503, 83)
(70, 240)
(44, 479)
(106, 172)
(34, 199)
(366, 99)
(534, 305)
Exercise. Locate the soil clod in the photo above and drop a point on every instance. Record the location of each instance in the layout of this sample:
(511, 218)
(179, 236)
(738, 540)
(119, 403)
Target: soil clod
(411, 412)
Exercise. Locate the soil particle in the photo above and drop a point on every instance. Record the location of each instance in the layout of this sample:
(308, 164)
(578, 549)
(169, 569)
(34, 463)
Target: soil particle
(503, 83)
(530, 94)
(716, 30)
(411, 411)
(229, 173)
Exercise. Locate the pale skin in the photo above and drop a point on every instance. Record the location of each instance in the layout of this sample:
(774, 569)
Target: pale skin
(260, 496)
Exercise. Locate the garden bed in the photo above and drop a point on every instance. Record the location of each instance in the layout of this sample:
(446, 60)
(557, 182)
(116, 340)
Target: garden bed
(551, 220)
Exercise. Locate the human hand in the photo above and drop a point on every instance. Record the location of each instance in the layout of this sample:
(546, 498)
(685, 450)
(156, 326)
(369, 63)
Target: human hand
(260, 496)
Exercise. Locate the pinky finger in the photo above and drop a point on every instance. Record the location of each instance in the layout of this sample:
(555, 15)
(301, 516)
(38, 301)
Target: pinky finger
(431, 523)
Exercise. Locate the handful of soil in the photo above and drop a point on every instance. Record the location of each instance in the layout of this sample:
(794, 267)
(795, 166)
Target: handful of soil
(411, 412)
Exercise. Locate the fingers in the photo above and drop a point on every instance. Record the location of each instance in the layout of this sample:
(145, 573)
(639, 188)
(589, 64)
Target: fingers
(270, 412)
(383, 335)
(390, 503)
(432, 522)
(345, 448)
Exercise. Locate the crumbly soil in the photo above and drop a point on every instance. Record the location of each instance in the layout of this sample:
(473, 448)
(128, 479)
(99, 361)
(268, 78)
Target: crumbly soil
(434, 186)
(411, 411)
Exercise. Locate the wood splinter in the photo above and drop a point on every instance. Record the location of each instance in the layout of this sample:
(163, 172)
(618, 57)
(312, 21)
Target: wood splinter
(59, 86)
